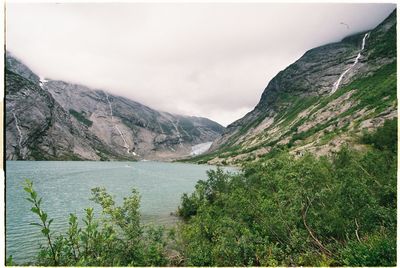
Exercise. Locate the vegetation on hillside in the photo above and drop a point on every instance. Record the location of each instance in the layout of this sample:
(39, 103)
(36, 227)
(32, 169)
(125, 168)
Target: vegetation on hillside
(306, 119)
(279, 211)
(81, 117)
(307, 211)
(372, 95)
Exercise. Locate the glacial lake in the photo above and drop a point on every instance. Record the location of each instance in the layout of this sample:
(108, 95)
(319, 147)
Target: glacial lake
(65, 187)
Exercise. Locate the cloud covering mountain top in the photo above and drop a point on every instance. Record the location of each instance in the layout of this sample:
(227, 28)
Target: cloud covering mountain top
(211, 60)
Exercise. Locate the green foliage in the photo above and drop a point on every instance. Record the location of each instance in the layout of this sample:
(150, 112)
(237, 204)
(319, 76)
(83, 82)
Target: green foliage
(117, 239)
(385, 46)
(39, 154)
(44, 224)
(377, 92)
(9, 261)
(286, 211)
(81, 117)
(299, 105)
(279, 211)
(384, 138)
(376, 250)
(188, 207)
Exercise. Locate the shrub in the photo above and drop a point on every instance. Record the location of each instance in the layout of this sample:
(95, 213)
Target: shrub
(117, 240)
(307, 211)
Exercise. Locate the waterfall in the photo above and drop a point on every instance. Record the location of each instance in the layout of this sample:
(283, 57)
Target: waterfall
(109, 104)
(116, 127)
(19, 131)
(337, 83)
(123, 138)
(177, 131)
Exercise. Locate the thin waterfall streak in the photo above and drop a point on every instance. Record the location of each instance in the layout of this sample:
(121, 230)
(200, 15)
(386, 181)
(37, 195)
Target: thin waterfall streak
(109, 104)
(179, 134)
(123, 138)
(337, 83)
(116, 127)
(19, 131)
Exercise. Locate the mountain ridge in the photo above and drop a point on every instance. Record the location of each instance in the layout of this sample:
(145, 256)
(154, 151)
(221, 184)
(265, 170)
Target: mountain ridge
(281, 115)
(91, 124)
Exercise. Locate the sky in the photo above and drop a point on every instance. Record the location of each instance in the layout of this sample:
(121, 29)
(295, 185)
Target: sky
(202, 59)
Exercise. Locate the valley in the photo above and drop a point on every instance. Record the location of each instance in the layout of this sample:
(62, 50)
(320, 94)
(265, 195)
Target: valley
(308, 177)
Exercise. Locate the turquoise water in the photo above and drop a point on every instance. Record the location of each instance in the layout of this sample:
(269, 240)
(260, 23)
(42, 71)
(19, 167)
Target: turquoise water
(65, 187)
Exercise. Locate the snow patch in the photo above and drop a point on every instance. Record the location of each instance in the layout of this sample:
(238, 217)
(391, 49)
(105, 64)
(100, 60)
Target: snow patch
(201, 148)
(42, 81)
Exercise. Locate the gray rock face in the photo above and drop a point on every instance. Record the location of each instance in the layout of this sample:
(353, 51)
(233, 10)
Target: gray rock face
(131, 126)
(19, 68)
(56, 120)
(37, 127)
(315, 74)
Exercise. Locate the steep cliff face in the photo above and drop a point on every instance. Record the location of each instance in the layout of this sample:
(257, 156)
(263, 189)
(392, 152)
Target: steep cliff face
(37, 127)
(321, 101)
(130, 126)
(55, 120)
(14, 65)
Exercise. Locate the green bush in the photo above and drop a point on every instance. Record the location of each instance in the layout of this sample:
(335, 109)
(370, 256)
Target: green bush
(188, 207)
(118, 239)
(377, 250)
(385, 137)
(286, 211)
(279, 211)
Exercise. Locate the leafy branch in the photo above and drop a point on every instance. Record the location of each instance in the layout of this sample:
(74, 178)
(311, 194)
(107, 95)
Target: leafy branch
(44, 222)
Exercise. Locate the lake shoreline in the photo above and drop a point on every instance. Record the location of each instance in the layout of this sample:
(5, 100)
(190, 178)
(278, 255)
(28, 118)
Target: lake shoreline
(66, 188)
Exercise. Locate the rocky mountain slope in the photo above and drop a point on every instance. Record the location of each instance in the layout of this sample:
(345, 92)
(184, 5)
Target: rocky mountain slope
(55, 120)
(323, 100)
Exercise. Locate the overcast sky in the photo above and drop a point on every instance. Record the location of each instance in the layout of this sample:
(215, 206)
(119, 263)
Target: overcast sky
(211, 60)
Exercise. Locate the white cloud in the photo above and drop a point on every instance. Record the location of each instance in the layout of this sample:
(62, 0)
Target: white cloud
(211, 60)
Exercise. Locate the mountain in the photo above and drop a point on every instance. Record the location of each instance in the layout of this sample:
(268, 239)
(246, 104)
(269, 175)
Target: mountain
(55, 120)
(323, 100)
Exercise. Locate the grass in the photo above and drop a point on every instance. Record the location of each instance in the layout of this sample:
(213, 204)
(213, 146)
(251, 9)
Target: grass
(384, 49)
(299, 105)
(376, 91)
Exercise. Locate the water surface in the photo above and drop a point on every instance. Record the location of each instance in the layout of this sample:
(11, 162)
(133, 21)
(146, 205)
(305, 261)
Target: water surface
(65, 187)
